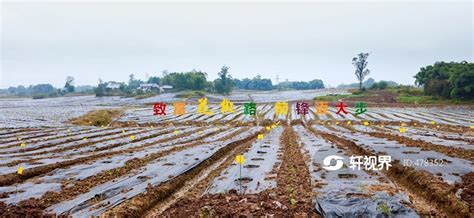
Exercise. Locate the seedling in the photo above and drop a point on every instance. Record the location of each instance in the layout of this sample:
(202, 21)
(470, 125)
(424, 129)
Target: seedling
(384, 208)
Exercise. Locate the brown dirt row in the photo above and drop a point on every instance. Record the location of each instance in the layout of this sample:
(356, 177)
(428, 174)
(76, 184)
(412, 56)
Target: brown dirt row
(457, 117)
(70, 188)
(442, 127)
(55, 137)
(87, 143)
(34, 160)
(291, 198)
(420, 205)
(12, 178)
(28, 137)
(293, 178)
(19, 132)
(59, 143)
(370, 116)
(232, 122)
(138, 205)
(467, 185)
(421, 183)
(196, 187)
(16, 131)
(424, 115)
(450, 151)
(470, 141)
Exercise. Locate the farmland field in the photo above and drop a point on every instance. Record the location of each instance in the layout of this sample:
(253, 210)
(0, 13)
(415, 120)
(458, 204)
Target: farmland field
(184, 165)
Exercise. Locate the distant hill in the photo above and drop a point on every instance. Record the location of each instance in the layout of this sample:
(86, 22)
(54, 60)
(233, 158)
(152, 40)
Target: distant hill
(367, 84)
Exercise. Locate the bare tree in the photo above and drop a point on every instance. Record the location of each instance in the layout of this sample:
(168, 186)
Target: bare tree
(69, 86)
(360, 63)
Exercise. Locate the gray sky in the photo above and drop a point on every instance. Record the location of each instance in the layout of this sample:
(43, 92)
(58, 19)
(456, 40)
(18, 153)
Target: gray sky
(43, 42)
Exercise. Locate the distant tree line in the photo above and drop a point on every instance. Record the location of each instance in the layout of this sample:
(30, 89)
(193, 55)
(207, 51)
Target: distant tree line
(448, 80)
(259, 83)
(36, 91)
(256, 83)
(42, 90)
(192, 80)
(301, 85)
(370, 83)
(197, 80)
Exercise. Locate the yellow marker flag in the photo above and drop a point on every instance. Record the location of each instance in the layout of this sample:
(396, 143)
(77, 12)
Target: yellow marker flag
(337, 123)
(402, 130)
(240, 159)
(433, 122)
(22, 145)
(176, 132)
(438, 126)
(85, 139)
(268, 128)
(132, 137)
(366, 123)
(20, 170)
(260, 136)
(349, 122)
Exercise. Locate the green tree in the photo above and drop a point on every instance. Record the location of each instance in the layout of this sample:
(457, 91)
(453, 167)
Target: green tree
(154, 79)
(379, 85)
(360, 63)
(462, 81)
(448, 80)
(133, 83)
(101, 89)
(224, 83)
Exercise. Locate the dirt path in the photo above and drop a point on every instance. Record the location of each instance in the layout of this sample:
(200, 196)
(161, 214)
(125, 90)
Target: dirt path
(292, 196)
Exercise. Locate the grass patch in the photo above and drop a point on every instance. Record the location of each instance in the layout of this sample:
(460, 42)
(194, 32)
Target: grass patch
(417, 99)
(426, 99)
(146, 95)
(97, 117)
(400, 94)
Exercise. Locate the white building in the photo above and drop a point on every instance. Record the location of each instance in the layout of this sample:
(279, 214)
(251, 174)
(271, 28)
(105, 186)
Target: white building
(149, 86)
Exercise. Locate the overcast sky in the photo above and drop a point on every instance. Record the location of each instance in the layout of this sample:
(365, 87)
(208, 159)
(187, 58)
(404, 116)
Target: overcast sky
(44, 42)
